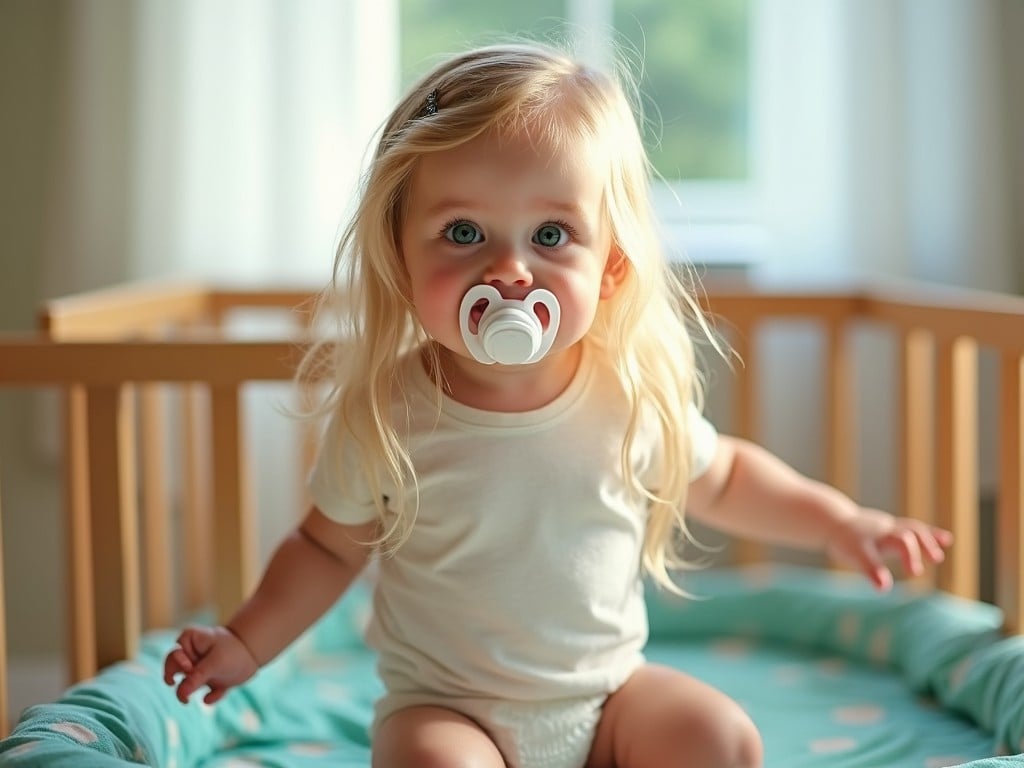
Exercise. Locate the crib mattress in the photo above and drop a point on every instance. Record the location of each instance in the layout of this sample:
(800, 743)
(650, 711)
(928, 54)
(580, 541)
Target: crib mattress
(833, 674)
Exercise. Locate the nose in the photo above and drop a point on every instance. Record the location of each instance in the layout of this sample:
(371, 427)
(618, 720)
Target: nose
(508, 267)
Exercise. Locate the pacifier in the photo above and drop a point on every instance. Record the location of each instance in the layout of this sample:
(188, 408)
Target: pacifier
(509, 331)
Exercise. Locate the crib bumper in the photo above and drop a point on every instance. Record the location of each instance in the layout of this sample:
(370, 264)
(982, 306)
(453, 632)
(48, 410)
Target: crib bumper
(319, 694)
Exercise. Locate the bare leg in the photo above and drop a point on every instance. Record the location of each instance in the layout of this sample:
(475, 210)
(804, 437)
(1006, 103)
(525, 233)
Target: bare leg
(433, 737)
(662, 718)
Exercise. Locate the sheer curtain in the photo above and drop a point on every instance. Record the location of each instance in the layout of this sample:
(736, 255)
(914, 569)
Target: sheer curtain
(224, 138)
(216, 139)
(884, 137)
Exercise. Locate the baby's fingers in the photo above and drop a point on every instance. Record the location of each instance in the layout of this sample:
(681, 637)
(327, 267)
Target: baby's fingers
(216, 694)
(193, 681)
(935, 542)
(869, 560)
(922, 542)
(176, 663)
(908, 546)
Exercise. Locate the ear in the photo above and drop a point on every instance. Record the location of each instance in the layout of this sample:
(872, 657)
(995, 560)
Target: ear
(615, 270)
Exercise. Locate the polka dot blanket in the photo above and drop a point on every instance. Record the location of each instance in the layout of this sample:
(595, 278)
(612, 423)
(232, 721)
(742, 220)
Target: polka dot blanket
(832, 673)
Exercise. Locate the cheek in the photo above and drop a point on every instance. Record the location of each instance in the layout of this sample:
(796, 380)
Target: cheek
(437, 296)
(579, 302)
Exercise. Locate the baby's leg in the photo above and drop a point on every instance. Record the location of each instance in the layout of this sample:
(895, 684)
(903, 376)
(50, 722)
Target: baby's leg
(433, 737)
(662, 718)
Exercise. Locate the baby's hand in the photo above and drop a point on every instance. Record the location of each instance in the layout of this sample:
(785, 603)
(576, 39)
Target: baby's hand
(861, 539)
(212, 656)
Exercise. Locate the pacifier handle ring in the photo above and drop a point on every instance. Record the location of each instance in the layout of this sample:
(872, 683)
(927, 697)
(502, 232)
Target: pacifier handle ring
(473, 341)
(548, 300)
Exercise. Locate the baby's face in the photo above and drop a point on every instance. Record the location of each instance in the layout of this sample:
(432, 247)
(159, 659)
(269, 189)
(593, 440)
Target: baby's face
(506, 212)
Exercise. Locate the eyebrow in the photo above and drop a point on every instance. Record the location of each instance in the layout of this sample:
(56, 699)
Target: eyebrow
(545, 204)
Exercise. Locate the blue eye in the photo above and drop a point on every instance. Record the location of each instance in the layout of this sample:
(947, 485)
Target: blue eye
(551, 235)
(463, 233)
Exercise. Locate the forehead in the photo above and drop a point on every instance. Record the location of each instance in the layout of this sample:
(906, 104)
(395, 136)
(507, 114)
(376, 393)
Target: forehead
(504, 163)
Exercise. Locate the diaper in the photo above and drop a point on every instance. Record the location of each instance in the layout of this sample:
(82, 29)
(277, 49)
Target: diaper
(555, 734)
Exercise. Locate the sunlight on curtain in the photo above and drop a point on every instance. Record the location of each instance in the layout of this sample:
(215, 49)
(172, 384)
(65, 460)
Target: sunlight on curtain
(252, 122)
(881, 138)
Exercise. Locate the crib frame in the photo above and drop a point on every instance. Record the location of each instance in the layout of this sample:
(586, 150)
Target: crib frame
(110, 353)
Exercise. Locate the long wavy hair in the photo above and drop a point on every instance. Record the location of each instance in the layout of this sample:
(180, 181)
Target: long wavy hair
(646, 328)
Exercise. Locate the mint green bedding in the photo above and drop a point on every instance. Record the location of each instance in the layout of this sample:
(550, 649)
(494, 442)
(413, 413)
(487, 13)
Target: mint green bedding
(833, 674)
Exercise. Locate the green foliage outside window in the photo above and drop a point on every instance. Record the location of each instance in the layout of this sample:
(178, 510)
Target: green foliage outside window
(694, 56)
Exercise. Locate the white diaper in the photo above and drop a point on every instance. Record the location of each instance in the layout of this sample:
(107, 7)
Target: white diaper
(555, 734)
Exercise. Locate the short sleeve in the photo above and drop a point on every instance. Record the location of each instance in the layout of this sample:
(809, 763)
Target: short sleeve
(703, 442)
(336, 484)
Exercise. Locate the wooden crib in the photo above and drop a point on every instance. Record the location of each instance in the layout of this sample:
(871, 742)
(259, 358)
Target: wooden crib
(114, 355)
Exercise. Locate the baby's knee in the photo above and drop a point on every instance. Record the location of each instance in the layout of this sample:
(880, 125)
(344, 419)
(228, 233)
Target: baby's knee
(744, 747)
(718, 738)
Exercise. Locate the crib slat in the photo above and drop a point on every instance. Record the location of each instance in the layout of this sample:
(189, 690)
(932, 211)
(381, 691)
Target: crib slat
(234, 525)
(957, 462)
(917, 425)
(114, 517)
(1009, 537)
(155, 508)
(196, 512)
(4, 713)
(81, 613)
(841, 416)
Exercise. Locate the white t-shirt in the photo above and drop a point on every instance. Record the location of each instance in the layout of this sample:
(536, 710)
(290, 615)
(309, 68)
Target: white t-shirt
(521, 578)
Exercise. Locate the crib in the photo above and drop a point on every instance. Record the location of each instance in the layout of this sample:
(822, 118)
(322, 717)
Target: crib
(951, 663)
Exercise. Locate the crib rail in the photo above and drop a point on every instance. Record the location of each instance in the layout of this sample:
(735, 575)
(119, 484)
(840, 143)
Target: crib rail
(106, 351)
(136, 316)
(939, 333)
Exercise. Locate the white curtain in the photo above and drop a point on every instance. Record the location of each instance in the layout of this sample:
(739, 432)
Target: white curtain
(223, 137)
(884, 137)
(215, 138)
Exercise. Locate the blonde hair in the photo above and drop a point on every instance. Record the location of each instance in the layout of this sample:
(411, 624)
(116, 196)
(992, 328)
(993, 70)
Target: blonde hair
(645, 327)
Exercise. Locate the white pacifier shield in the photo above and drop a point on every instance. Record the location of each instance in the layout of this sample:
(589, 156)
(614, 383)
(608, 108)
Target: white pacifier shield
(509, 331)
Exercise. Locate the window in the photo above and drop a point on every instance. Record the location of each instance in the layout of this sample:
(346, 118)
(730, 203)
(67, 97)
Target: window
(694, 54)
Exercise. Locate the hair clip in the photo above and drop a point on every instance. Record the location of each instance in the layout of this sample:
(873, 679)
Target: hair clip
(430, 108)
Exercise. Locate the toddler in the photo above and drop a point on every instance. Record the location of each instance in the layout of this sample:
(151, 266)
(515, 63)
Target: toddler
(516, 436)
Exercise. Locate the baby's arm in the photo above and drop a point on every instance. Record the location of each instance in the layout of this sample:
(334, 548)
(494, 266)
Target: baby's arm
(308, 572)
(749, 492)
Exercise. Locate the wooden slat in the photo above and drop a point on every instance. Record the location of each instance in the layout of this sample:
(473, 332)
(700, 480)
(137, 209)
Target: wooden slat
(122, 310)
(957, 462)
(990, 319)
(841, 410)
(37, 361)
(114, 517)
(156, 529)
(223, 301)
(917, 426)
(4, 693)
(197, 527)
(233, 519)
(78, 532)
(1009, 536)
(753, 302)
